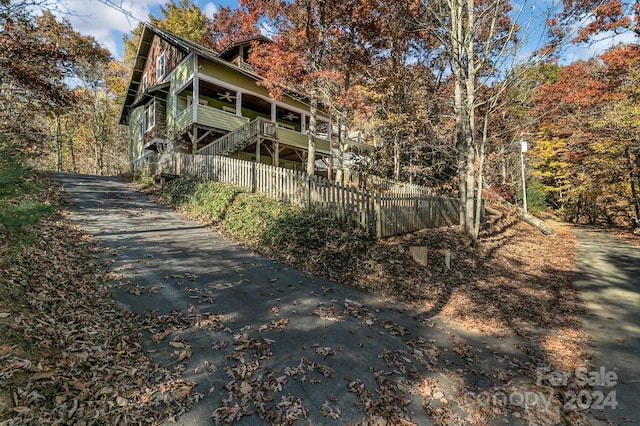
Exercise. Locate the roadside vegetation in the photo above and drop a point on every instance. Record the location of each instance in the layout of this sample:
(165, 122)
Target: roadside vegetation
(24, 200)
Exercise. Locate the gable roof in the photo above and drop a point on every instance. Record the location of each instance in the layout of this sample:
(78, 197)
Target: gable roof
(184, 45)
(229, 51)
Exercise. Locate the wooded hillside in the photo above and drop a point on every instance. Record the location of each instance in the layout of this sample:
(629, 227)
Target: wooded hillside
(446, 91)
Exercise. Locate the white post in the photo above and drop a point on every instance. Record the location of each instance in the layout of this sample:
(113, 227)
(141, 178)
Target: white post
(523, 149)
(239, 103)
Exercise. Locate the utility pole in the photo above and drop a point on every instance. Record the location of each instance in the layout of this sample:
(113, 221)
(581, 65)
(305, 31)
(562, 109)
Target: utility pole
(523, 149)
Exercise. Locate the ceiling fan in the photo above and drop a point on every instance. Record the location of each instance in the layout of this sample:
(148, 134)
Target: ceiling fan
(226, 96)
(290, 116)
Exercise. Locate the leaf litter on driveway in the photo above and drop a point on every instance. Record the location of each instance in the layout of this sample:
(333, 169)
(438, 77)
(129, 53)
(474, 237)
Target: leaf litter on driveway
(80, 359)
(408, 371)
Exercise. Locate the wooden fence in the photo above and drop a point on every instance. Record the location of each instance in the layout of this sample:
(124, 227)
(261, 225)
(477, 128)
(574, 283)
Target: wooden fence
(381, 214)
(379, 184)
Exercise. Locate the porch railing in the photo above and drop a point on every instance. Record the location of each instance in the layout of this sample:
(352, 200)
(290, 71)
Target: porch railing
(241, 137)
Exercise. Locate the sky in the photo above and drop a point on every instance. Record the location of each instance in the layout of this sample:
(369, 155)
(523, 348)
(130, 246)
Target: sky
(107, 24)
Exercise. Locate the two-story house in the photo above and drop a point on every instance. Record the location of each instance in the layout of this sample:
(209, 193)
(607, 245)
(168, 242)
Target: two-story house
(185, 97)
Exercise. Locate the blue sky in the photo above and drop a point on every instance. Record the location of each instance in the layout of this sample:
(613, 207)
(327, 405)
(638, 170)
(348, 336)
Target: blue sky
(108, 25)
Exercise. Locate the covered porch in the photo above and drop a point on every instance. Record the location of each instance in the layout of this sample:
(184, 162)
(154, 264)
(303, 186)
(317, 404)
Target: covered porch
(204, 111)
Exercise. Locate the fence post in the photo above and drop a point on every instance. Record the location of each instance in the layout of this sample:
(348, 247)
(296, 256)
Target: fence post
(254, 176)
(378, 215)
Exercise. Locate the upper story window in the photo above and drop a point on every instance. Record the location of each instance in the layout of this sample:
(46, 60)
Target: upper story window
(145, 82)
(150, 116)
(160, 66)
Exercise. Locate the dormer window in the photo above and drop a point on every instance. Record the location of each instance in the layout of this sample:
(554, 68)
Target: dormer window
(160, 66)
(145, 82)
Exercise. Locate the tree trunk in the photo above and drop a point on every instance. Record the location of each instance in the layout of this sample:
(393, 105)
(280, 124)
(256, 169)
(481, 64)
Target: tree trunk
(470, 110)
(634, 191)
(313, 130)
(455, 38)
(72, 152)
(58, 139)
(481, 159)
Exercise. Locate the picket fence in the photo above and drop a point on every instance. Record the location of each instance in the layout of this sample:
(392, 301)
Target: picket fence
(382, 214)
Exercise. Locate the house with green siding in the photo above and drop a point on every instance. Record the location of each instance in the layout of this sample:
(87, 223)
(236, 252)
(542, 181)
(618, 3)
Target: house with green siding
(185, 97)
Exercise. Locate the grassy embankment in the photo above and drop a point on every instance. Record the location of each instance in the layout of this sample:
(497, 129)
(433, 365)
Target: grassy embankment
(282, 231)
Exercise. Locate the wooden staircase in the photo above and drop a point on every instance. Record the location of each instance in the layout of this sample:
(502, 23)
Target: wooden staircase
(242, 137)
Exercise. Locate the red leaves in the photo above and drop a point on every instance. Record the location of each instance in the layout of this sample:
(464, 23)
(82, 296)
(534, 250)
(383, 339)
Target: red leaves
(608, 16)
(228, 26)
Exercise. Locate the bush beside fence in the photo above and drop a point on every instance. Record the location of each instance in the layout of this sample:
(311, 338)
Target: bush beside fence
(381, 214)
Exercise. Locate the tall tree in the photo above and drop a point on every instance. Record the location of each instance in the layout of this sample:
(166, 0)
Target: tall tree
(478, 39)
(183, 18)
(297, 57)
(38, 56)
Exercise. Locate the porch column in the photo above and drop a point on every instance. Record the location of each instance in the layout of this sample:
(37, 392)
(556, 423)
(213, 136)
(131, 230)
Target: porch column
(330, 162)
(196, 89)
(276, 153)
(303, 123)
(274, 115)
(258, 151)
(239, 103)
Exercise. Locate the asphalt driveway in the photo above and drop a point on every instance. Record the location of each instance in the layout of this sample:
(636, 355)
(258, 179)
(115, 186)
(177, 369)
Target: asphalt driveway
(250, 325)
(609, 283)
(257, 336)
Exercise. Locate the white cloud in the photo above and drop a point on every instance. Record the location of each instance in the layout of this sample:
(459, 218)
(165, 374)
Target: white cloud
(105, 23)
(209, 9)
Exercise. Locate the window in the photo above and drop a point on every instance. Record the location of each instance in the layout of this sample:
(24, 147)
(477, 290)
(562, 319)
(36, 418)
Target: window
(150, 116)
(144, 82)
(160, 66)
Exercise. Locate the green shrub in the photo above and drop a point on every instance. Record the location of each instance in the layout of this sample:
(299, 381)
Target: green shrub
(536, 196)
(144, 178)
(23, 202)
(251, 216)
(178, 192)
(210, 200)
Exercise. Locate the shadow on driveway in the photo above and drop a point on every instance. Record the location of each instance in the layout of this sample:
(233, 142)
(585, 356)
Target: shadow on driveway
(266, 344)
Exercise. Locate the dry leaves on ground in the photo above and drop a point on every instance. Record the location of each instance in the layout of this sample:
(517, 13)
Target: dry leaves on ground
(77, 357)
(517, 282)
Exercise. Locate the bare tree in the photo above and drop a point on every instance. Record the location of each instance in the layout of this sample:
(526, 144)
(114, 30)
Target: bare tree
(481, 42)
